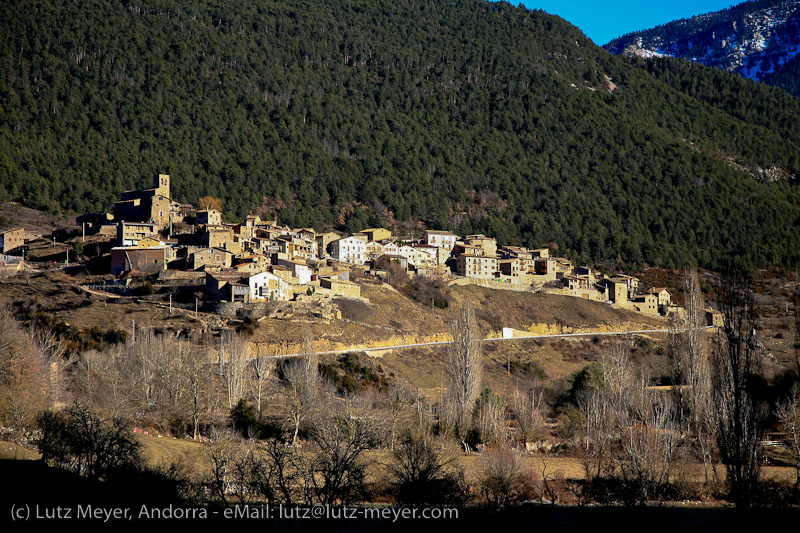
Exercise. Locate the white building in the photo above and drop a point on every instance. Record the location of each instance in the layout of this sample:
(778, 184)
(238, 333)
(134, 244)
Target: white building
(374, 250)
(349, 250)
(440, 239)
(300, 270)
(267, 286)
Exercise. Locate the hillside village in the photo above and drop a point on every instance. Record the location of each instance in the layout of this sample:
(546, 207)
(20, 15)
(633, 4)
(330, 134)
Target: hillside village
(244, 264)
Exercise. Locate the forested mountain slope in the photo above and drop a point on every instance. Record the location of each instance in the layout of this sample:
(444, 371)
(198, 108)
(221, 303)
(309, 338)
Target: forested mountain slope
(469, 115)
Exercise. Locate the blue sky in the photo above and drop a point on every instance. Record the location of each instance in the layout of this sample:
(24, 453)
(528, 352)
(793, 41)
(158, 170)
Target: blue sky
(602, 21)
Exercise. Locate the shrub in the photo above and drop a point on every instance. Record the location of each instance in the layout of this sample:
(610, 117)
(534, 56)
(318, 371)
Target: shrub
(503, 480)
(247, 327)
(78, 439)
(248, 424)
(425, 473)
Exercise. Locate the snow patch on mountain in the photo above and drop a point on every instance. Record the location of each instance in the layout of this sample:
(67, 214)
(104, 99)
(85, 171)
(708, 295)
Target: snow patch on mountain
(750, 43)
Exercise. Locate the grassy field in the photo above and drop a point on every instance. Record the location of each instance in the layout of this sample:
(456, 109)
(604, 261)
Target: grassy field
(192, 456)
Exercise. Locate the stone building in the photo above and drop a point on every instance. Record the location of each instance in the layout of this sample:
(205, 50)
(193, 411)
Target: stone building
(146, 205)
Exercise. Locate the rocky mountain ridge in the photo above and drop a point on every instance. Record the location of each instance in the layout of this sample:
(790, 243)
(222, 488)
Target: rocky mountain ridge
(756, 39)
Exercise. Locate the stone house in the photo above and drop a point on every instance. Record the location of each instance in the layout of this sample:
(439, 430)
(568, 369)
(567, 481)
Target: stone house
(663, 295)
(208, 217)
(647, 304)
(219, 236)
(226, 286)
(631, 282)
(545, 265)
(487, 245)
(376, 234)
(510, 268)
(463, 248)
(324, 241)
(577, 283)
(477, 266)
(253, 263)
(340, 287)
(146, 205)
(130, 233)
(211, 258)
(306, 233)
(301, 272)
(148, 260)
(297, 247)
(12, 239)
(617, 289)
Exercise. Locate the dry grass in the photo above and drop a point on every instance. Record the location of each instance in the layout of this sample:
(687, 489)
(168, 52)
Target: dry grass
(34, 220)
(9, 450)
(192, 455)
(168, 450)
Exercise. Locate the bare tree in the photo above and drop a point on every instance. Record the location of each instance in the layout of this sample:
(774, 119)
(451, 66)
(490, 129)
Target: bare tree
(81, 440)
(630, 432)
(158, 376)
(223, 450)
(491, 419)
(607, 409)
(142, 356)
(503, 479)
(789, 415)
(234, 353)
(210, 202)
(302, 389)
(280, 472)
(797, 330)
(106, 380)
(736, 371)
(649, 440)
(260, 371)
(424, 471)
(528, 408)
(338, 471)
(23, 381)
(598, 426)
(691, 372)
(55, 358)
(400, 399)
(463, 367)
(198, 384)
(619, 384)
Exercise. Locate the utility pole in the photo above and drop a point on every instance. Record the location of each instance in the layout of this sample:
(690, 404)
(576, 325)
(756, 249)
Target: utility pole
(220, 355)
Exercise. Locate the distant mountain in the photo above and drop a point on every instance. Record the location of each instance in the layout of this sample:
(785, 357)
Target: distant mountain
(465, 115)
(759, 40)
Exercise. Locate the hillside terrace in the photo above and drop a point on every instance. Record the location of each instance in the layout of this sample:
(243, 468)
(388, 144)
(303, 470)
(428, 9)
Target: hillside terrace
(304, 260)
